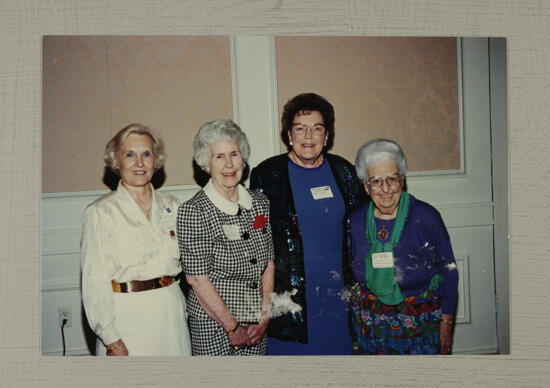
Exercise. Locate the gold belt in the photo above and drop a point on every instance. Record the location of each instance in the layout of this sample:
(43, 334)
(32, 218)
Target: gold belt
(143, 285)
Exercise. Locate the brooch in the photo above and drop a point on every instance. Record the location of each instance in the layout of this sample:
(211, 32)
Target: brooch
(260, 221)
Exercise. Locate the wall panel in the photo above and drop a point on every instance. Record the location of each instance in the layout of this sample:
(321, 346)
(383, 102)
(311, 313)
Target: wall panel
(405, 89)
(96, 85)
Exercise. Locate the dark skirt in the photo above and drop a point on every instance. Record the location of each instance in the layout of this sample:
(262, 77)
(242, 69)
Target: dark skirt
(411, 327)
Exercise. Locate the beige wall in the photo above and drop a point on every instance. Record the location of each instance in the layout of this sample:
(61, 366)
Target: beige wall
(404, 89)
(400, 88)
(93, 86)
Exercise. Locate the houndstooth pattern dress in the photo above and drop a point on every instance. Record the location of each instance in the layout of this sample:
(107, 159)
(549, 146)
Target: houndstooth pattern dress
(218, 238)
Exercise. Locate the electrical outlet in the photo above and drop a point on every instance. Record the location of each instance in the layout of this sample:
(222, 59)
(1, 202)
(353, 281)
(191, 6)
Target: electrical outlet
(65, 313)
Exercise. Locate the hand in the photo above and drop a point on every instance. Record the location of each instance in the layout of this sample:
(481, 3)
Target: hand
(239, 338)
(446, 335)
(256, 332)
(117, 348)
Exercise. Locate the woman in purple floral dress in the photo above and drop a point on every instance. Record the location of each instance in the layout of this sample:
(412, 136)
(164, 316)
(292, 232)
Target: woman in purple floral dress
(405, 297)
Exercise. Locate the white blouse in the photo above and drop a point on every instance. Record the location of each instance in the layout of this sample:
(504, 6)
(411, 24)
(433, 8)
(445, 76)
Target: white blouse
(119, 243)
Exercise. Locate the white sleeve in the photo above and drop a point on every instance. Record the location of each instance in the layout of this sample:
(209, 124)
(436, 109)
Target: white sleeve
(97, 292)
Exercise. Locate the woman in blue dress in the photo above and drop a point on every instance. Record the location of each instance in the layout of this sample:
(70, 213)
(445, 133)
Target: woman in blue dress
(403, 261)
(311, 194)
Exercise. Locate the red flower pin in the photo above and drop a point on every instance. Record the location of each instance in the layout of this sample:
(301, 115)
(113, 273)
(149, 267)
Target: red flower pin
(260, 221)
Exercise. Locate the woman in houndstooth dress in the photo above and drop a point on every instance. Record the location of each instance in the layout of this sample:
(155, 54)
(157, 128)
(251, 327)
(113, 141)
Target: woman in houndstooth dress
(226, 249)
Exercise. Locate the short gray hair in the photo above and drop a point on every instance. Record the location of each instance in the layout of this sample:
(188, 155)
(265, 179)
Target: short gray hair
(213, 131)
(113, 146)
(379, 150)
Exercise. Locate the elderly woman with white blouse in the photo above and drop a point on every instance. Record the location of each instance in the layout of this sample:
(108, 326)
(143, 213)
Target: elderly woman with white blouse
(130, 258)
(226, 249)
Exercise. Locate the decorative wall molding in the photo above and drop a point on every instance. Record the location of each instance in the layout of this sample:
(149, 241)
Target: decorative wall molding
(473, 350)
(61, 241)
(463, 304)
(68, 352)
(72, 204)
(460, 105)
(254, 83)
(56, 285)
(463, 215)
(441, 174)
(91, 195)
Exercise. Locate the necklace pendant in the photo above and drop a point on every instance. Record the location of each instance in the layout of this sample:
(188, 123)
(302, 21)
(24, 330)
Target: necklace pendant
(383, 234)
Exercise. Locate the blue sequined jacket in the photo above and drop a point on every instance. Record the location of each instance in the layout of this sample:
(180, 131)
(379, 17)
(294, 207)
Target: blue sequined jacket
(271, 178)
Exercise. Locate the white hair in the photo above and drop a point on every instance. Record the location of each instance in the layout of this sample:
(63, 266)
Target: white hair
(213, 131)
(376, 151)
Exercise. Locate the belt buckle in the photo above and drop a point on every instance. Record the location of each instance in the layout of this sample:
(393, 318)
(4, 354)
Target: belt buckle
(166, 281)
(116, 286)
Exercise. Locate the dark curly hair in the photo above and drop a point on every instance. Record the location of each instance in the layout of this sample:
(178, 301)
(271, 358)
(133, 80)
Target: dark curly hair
(307, 102)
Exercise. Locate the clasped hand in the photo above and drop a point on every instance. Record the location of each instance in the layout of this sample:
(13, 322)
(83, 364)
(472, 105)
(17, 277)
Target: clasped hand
(249, 336)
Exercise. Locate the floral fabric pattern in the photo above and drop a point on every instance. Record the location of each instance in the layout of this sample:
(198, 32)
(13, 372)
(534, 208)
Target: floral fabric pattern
(411, 327)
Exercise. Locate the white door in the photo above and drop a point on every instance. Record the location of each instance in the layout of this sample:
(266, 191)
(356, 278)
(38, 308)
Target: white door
(464, 199)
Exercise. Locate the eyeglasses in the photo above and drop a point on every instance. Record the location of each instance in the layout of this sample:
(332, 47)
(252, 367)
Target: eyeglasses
(316, 129)
(376, 182)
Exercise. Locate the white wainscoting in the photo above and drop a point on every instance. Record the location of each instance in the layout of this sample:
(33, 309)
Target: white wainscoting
(60, 266)
(475, 331)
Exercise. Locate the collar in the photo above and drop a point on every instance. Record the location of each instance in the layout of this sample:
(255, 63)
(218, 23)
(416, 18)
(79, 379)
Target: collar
(121, 190)
(225, 205)
(132, 206)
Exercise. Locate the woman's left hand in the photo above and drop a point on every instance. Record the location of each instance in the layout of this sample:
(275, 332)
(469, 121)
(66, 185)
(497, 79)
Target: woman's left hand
(446, 334)
(256, 332)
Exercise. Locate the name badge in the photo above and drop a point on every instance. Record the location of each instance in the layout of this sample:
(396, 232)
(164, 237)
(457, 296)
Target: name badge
(382, 260)
(321, 192)
(232, 232)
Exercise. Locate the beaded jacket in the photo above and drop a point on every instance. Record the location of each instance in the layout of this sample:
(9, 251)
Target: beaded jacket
(271, 178)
